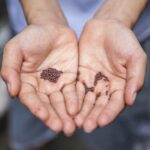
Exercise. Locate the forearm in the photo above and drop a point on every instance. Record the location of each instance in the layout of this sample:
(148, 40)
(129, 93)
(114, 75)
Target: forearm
(43, 11)
(125, 11)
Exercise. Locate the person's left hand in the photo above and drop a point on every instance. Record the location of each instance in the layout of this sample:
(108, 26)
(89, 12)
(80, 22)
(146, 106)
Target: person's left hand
(111, 70)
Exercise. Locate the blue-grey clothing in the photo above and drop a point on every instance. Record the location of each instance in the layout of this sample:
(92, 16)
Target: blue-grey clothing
(26, 131)
(77, 13)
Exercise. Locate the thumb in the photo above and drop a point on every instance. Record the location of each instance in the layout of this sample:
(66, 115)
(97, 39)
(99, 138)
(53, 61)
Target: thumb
(11, 65)
(136, 69)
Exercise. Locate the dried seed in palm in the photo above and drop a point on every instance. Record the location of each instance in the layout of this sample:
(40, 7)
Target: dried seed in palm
(51, 74)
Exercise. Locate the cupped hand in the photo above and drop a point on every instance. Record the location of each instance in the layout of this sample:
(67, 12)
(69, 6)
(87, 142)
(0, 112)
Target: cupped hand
(35, 49)
(111, 70)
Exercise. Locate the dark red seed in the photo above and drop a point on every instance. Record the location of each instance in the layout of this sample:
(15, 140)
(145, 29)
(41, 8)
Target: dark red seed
(98, 95)
(88, 89)
(50, 74)
(105, 79)
(100, 76)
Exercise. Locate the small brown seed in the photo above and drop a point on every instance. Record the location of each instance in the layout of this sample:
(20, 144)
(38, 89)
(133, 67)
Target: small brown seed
(98, 95)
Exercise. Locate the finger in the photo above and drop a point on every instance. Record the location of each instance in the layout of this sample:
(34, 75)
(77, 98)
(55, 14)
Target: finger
(80, 93)
(135, 78)
(32, 101)
(89, 101)
(86, 78)
(112, 109)
(53, 122)
(57, 101)
(11, 66)
(71, 99)
(91, 122)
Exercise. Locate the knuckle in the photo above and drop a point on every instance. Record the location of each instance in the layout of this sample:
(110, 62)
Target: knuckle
(91, 119)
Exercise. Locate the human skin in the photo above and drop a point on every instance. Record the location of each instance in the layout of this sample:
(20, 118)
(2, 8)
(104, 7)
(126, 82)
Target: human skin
(56, 46)
(47, 42)
(108, 45)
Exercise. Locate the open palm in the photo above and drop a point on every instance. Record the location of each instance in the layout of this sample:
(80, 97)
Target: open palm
(39, 49)
(108, 73)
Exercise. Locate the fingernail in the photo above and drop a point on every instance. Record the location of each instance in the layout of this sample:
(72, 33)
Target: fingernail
(9, 87)
(134, 96)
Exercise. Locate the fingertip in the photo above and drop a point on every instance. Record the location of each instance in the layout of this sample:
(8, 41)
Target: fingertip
(72, 110)
(13, 83)
(129, 103)
(4, 76)
(56, 125)
(130, 98)
(133, 98)
(13, 90)
(9, 89)
(103, 121)
(69, 128)
(89, 125)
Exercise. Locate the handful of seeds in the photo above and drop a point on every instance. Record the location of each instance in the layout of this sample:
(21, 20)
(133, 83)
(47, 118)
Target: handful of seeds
(51, 75)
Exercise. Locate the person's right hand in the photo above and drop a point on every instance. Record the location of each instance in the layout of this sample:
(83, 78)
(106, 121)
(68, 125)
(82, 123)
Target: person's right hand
(26, 55)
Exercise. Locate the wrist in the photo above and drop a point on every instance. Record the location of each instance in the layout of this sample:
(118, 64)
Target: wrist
(126, 21)
(126, 12)
(43, 17)
(43, 12)
(104, 27)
